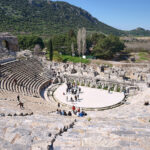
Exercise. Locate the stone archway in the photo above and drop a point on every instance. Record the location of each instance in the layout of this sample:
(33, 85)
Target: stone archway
(9, 42)
(5, 44)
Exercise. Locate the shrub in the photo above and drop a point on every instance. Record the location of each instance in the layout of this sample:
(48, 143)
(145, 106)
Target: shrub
(89, 119)
(118, 89)
(93, 86)
(99, 87)
(29, 41)
(82, 84)
(112, 88)
(106, 87)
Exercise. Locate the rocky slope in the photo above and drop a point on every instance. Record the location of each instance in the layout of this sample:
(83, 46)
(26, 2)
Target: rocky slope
(47, 17)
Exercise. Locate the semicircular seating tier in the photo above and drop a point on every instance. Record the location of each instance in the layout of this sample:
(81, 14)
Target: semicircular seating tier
(23, 76)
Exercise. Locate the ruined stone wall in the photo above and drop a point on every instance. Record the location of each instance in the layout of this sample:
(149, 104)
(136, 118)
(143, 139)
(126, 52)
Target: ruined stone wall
(12, 42)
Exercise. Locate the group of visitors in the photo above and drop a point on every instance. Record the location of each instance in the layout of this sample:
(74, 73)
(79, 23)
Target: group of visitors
(63, 112)
(74, 90)
(75, 111)
(78, 112)
(72, 95)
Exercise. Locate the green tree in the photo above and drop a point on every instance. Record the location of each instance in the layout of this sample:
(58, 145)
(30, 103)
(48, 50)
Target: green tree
(96, 37)
(71, 33)
(62, 43)
(50, 49)
(107, 47)
(29, 41)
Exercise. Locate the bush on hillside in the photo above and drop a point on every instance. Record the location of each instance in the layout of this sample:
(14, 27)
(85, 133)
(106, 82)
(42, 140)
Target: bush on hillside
(29, 41)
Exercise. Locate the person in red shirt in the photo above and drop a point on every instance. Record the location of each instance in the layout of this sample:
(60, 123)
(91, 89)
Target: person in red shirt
(78, 110)
(73, 108)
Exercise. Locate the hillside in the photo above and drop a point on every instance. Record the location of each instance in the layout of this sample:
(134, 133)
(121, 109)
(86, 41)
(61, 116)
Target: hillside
(139, 32)
(43, 17)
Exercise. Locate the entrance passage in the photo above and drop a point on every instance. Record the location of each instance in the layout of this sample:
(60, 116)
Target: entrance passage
(5, 44)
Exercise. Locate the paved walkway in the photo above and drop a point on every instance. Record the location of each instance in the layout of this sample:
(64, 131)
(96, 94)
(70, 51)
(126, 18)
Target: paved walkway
(89, 97)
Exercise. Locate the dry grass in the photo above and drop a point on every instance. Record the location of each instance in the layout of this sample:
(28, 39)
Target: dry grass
(137, 44)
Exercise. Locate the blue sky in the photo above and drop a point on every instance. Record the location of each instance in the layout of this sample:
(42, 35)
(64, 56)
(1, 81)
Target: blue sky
(121, 14)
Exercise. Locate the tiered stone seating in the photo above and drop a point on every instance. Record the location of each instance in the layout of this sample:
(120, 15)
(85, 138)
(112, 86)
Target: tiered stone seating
(124, 128)
(9, 102)
(31, 132)
(105, 133)
(27, 76)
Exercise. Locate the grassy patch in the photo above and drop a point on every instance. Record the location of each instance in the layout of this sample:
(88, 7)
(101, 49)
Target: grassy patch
(67, 58)
(56, 56)
(143, 56)
(74, 59)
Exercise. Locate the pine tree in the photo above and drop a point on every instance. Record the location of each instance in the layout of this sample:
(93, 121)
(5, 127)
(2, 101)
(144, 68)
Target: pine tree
(79, 40)
(83, 41)
(72, 49)
(50, 48)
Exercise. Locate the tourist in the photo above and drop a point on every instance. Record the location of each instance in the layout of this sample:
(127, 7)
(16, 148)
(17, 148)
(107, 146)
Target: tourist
(72, 91)
(69, 113)
(75, 98)
(71, 99)
(58, 105)
(124, 91)
(79, 90)
(73, 108)
(78, 110)
(78, 114)
(84, 114)
(81, 114)
(18, 98)
(60, 112)
(75, 112)
(57, 111)
(15, 81)
(65, 114)
(21, 105)
(75, 92)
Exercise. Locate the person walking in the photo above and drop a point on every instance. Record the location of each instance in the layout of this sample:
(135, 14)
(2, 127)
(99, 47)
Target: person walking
(58, 105)
(18, 98)
(21, 105)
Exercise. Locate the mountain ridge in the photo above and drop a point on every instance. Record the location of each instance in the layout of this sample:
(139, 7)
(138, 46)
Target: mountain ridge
(44, 17)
